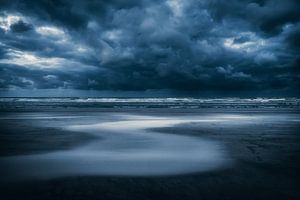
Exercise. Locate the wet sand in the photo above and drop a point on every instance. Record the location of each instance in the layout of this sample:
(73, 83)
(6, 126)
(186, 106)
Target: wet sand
(262, 149)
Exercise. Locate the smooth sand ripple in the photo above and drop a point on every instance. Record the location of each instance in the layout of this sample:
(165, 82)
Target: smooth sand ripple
(128, 146)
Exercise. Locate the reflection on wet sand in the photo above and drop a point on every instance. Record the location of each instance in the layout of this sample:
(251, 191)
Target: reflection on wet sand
(129, 147)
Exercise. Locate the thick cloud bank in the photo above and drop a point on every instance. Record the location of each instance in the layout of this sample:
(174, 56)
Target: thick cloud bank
(140, 45)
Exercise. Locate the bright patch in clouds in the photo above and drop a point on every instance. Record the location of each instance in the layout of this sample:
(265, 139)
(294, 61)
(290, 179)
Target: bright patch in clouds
(251, 44)
(32, 61)
(176, 7)
(7, 21)
(113, 35)
(50, 31)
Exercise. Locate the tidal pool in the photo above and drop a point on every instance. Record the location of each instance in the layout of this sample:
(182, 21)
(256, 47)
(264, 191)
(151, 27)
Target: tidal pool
(128, 145)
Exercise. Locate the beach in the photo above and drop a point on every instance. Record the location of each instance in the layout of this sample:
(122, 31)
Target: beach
(150, 153)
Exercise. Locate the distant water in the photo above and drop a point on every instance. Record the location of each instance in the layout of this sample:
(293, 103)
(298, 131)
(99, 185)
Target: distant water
(7, 103)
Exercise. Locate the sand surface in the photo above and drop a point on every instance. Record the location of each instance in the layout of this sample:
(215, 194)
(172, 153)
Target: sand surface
(148, 154)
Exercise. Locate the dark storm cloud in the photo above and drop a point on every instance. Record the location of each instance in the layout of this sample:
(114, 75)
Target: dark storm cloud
(249, 45)
(20, 27)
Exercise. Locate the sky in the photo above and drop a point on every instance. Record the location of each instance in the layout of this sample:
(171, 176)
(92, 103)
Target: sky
(177, 47)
